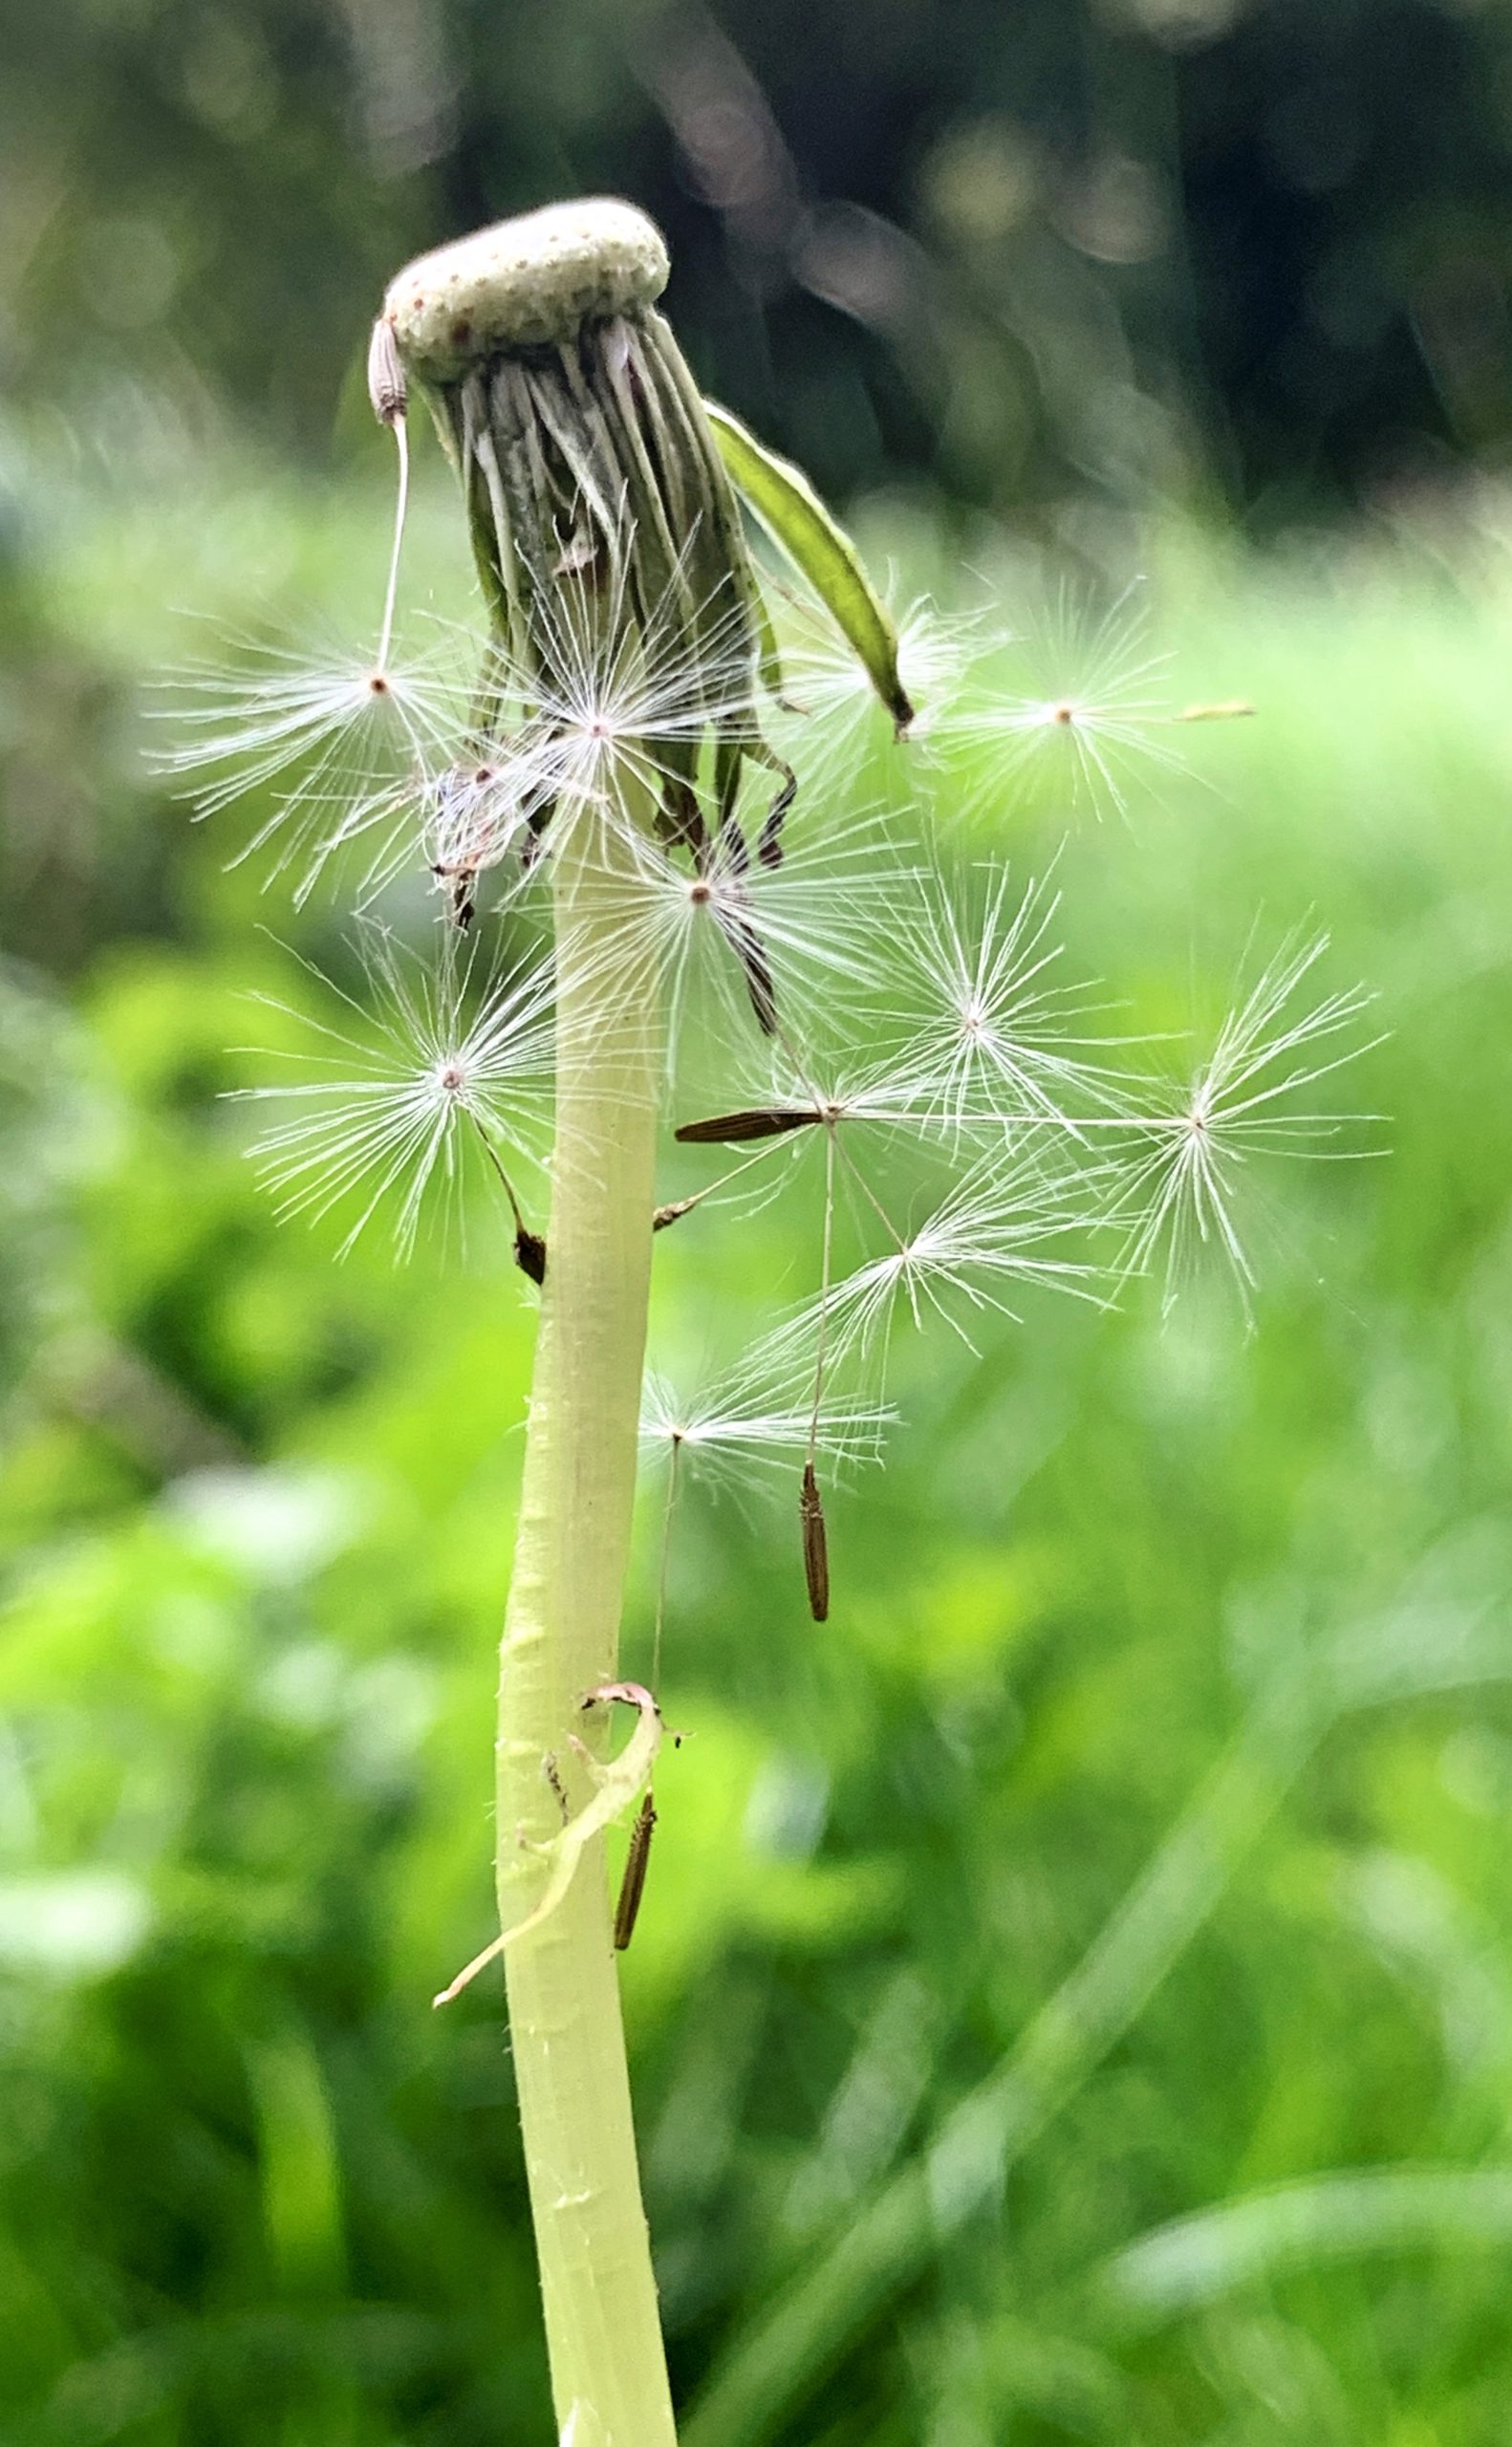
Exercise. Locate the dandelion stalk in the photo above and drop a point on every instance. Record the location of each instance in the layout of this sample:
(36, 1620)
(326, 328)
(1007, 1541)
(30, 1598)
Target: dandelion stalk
(609, 545)
(561, 1637)
(614, 741)
(505, 335)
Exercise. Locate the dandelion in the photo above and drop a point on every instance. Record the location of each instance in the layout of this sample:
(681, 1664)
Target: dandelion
(624, 691)
(621, 739)
(1181, 1181)
(431, 1063)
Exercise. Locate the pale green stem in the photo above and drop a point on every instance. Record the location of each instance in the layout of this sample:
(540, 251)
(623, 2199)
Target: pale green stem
(560, 1639)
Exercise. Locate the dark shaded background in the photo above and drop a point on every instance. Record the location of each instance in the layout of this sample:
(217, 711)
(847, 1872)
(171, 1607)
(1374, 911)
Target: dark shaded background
(1252, 249)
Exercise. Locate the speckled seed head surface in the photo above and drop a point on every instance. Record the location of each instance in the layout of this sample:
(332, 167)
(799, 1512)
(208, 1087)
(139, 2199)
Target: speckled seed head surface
(524, 283)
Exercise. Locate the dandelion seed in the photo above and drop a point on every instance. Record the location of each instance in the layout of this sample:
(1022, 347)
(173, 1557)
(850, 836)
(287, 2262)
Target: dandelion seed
(744, 1424)
(352, 733)
(1005, 1223)
(388, 389)
(815, 1545)
(1092, 710)
(614, 689)
(438, 1064)
(811, 1503)
(529, 1248)
(633, 1882)
(888, 1095)
(999, 1041)
(1182, 1177)
(774, 931)
(748, 1122)
(671, 1212)
(758, 1194)
(477, 811)
(343, 741)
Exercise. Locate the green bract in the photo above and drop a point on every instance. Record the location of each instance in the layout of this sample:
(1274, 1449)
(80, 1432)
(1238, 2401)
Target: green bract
(598, 480)
(794, 516)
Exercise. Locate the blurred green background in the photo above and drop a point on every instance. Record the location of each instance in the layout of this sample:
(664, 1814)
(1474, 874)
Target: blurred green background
(1074, 2000)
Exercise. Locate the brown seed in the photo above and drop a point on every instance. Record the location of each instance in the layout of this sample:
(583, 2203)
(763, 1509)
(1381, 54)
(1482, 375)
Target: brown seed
(387, 388)
(633, 1884)
(756, 1121)
(815, 1545)
(530, 1255)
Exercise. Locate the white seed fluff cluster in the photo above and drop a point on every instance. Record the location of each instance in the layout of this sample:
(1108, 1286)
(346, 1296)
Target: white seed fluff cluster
(849, 1002)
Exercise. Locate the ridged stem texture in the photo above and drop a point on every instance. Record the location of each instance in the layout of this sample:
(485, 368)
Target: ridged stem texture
(609, 553)
(560, 1641)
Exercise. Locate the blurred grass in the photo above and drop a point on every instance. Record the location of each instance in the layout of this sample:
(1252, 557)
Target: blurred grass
(1125, 1585)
